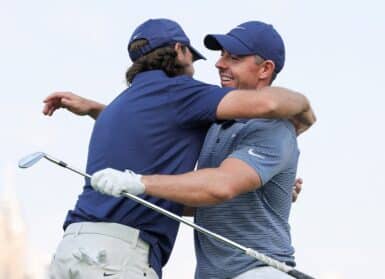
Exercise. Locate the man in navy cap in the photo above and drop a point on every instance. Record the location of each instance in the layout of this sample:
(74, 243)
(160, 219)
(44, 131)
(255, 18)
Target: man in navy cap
(243, 188)
(157, 125)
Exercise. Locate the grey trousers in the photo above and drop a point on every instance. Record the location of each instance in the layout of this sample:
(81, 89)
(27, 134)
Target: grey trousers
(101, 250)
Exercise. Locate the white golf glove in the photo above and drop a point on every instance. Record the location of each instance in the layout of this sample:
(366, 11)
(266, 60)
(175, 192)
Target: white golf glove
(114, 182)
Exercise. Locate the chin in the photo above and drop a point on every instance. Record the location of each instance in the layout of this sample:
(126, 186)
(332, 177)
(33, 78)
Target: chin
(228, 84)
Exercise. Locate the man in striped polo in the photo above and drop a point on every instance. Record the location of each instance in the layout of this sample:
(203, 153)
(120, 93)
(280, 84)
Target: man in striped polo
(142, 117)
(243, 188)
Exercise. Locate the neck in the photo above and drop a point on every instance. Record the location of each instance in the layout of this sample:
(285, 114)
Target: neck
(259, 85)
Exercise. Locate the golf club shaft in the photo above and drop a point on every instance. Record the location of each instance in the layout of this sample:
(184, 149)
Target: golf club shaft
(65, 165)
(252, 253)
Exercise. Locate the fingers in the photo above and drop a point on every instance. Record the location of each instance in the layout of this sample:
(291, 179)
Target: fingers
(57, 100)
(114, 182)
(67, 102)
(116, 191)
(50, 107)
(297, 188)
(99, 179)
(70, 105)
(58, 95)
(96, 179)
(302, 129)
(103, 185)
(54, 101)
(312, 116)
(100, 182)
(298, 181)
(46, 109)
(304, 121)
(105, 181)
(299, 125)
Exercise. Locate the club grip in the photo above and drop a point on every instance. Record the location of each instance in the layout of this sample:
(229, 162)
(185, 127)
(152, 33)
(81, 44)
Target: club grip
(299, 275)
(61, 163)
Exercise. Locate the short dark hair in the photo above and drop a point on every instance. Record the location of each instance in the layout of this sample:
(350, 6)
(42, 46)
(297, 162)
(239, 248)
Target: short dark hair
(162, 58)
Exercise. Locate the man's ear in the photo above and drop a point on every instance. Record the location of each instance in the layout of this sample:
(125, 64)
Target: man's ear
(179, 51)
(178, 47)
(267, 69)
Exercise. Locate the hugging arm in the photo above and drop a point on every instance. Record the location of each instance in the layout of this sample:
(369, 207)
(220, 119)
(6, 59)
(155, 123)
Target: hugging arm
(72, 102)
(268, 102)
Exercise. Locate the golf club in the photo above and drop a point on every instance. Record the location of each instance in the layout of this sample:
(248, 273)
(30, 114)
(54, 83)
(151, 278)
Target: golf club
(33, 158)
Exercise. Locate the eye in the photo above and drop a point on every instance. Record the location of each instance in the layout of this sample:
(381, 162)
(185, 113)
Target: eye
(235, 57)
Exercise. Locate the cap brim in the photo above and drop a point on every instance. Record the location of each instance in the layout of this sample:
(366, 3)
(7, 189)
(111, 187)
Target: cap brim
(226, 42)
(196, 54)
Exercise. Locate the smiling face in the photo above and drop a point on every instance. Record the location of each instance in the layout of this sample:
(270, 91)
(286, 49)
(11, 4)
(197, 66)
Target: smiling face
(244, 72)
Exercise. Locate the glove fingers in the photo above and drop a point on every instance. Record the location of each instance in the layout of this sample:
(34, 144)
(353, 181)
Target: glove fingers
(109, 188)
(114, 182)
(95, 178)
(116, 191)
(103, 185)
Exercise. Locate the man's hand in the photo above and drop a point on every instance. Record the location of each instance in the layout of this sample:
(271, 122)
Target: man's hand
(114, 182)
(74, 103)
(297, 188)
(303, 120)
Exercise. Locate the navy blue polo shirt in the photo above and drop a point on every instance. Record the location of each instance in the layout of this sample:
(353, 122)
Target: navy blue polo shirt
(157, 125)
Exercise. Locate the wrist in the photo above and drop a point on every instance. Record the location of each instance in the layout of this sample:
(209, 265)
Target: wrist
(95, 108)
(144, 179)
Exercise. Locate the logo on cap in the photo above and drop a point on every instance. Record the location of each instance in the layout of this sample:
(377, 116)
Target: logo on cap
(240, 27)
(135, 36)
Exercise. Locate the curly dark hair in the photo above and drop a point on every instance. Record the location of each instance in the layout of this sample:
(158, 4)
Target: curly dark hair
(163, 58)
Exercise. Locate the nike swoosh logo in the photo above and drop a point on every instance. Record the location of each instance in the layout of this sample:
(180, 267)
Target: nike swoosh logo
(240, 27)
(136, 36)
(108, 274)
(252, 153)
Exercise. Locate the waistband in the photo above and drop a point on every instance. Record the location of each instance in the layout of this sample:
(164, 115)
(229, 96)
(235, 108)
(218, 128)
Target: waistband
(122, 232)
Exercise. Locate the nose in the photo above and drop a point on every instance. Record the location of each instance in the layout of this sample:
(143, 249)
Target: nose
(221, 64)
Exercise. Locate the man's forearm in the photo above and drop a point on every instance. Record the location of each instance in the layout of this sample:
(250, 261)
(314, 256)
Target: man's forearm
(284, 102)
(200, 188)
(267, 102)
(205, 186)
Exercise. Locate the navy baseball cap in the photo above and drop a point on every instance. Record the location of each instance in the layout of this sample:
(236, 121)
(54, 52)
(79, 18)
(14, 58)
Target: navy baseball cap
(249, 38)
(159, 33)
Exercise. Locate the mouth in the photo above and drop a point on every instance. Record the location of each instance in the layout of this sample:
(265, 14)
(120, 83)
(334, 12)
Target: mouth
(226, 78)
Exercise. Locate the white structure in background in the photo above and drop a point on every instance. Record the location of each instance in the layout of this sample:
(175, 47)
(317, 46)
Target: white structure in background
(13, 244)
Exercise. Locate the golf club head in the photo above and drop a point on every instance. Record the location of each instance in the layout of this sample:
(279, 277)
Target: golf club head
(30, 159)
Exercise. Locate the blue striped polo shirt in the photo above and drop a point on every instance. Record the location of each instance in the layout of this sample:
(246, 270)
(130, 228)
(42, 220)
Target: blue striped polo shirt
(256, 219)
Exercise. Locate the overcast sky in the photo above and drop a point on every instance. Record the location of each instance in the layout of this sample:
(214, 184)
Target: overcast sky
(335, 55)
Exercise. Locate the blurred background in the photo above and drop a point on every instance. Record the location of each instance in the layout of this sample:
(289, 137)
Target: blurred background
(335, 55)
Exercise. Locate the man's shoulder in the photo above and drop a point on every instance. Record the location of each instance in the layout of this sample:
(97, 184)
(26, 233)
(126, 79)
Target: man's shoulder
(185, 80)
(271, 131)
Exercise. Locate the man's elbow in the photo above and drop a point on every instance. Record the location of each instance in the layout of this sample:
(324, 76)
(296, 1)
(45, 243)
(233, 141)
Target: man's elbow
(231, 186)
(270, 108)
(223, 193)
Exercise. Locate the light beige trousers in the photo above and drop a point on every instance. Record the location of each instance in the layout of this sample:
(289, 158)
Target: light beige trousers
(101, 250)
